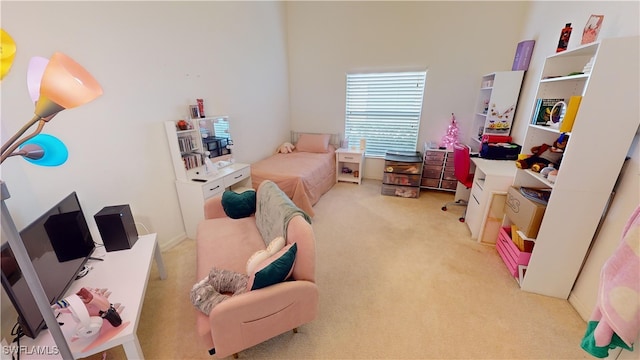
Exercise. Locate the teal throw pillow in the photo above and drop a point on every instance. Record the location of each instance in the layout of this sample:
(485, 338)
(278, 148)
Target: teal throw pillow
(239, 205)
(275, 269)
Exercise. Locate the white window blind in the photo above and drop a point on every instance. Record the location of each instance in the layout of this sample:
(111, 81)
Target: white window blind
(384, 109)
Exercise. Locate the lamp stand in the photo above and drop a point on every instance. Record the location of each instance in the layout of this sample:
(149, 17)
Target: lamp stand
(10, 232)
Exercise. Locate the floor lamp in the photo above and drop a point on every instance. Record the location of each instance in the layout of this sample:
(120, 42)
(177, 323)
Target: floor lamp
(58, 84)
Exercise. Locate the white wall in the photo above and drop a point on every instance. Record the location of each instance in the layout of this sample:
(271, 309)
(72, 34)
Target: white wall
(457, 42)
(152, 59)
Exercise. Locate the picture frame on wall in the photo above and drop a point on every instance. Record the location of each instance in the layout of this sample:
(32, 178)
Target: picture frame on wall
(592, 29)
(194, 111)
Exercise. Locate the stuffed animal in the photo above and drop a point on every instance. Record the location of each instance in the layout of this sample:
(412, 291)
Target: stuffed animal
(213, 289)
(285, 148)
(545, 154)
(221, 284)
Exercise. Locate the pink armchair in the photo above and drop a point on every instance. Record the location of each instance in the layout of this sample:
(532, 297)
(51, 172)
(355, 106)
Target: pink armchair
(248, 319)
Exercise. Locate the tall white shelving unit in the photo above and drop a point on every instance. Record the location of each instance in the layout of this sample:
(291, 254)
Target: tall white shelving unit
(194, 184)
(604, 128)
(496, 105)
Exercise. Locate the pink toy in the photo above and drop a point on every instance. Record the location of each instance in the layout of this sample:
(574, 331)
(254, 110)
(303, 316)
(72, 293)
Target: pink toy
(615, 321)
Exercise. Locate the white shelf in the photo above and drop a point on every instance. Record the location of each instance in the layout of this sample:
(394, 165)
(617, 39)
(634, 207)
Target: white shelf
(496, 104)
(546, 128)
(539, 178)
(578, 198)
(565, 78)
(525, 237)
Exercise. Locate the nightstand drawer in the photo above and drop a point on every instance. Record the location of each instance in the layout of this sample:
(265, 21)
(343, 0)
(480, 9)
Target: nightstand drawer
(348, 157)
(213, 188)
(237, 176)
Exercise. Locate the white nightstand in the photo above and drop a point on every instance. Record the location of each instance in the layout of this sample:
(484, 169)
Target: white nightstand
(349, 160)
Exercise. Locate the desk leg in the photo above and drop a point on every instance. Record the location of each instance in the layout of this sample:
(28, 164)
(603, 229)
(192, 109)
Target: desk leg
(160, 263)
(132, 349)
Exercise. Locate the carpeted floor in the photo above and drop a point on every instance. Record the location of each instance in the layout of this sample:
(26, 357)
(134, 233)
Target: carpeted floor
(398, 279)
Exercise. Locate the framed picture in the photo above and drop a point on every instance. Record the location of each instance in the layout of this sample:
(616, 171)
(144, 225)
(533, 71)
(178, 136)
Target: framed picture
(591, 29)
(194, 111)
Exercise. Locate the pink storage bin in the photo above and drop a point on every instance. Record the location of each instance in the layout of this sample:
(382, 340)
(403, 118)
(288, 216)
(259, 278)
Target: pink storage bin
(509, 252)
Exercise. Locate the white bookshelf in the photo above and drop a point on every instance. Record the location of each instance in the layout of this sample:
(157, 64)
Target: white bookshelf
(496, 105)
(607, 119)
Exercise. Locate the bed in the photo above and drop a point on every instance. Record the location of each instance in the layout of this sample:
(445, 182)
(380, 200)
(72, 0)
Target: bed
(304, 174)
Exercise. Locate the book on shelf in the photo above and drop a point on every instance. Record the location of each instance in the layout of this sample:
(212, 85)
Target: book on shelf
(566, 123)
(523, 55)
(542, 112)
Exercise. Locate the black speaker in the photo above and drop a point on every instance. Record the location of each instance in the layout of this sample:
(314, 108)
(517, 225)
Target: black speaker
(117, 228)
(69, 240)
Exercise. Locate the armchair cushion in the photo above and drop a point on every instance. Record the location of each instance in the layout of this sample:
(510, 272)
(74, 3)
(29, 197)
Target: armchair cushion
(239, 205)
(275, 269)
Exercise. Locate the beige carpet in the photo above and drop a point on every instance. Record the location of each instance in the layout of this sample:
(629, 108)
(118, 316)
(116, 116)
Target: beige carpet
(398, 279)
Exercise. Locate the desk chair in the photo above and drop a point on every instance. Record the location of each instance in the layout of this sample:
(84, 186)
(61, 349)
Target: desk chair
(462, 166)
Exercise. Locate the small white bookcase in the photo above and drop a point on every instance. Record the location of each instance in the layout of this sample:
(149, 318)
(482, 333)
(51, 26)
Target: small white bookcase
(196, 182)
(496, 105)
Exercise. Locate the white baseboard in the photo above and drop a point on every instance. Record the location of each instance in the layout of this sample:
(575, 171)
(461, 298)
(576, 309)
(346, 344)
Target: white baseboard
(166, 245)
(583, 310)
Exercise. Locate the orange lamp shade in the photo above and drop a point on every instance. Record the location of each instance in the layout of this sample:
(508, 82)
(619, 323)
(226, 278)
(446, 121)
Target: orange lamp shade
(65, 84)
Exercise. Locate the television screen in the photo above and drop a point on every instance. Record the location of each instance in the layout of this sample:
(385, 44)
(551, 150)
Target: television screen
(59, 243)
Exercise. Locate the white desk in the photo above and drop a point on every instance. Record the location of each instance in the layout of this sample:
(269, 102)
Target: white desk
(193, 194)
(125, 273)
(491, 176)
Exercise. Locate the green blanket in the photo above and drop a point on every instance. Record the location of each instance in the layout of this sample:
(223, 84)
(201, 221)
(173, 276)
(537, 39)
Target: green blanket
(274, 210)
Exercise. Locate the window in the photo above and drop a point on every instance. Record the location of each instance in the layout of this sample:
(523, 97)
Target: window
(384, 109)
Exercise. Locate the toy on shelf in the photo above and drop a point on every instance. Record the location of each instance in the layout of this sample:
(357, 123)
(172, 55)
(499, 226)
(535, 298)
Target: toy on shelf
(545, 154)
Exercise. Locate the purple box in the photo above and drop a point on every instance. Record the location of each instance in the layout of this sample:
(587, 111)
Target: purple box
(523, 55)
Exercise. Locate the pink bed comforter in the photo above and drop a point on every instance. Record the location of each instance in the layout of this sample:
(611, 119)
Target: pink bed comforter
(303, 176)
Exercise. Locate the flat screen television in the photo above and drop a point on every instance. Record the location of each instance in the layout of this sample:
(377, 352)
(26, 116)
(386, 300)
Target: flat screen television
(59, 244)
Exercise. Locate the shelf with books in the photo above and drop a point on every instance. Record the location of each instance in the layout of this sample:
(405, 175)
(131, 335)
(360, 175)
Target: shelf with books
(547, 112)
(579, 198)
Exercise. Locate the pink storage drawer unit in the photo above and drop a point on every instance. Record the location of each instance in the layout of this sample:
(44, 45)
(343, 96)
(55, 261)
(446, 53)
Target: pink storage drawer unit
(449, 184)
(509, 252)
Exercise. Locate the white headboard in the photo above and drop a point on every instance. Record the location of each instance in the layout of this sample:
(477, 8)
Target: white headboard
(335, 140)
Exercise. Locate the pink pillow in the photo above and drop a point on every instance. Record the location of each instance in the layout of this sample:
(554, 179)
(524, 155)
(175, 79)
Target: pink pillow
(314, 143)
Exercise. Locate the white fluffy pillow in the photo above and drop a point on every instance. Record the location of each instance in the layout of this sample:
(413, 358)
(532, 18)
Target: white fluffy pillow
(285, 148)
(261, 255)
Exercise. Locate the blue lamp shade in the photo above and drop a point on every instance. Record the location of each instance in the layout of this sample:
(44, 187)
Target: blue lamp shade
(55, 152)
